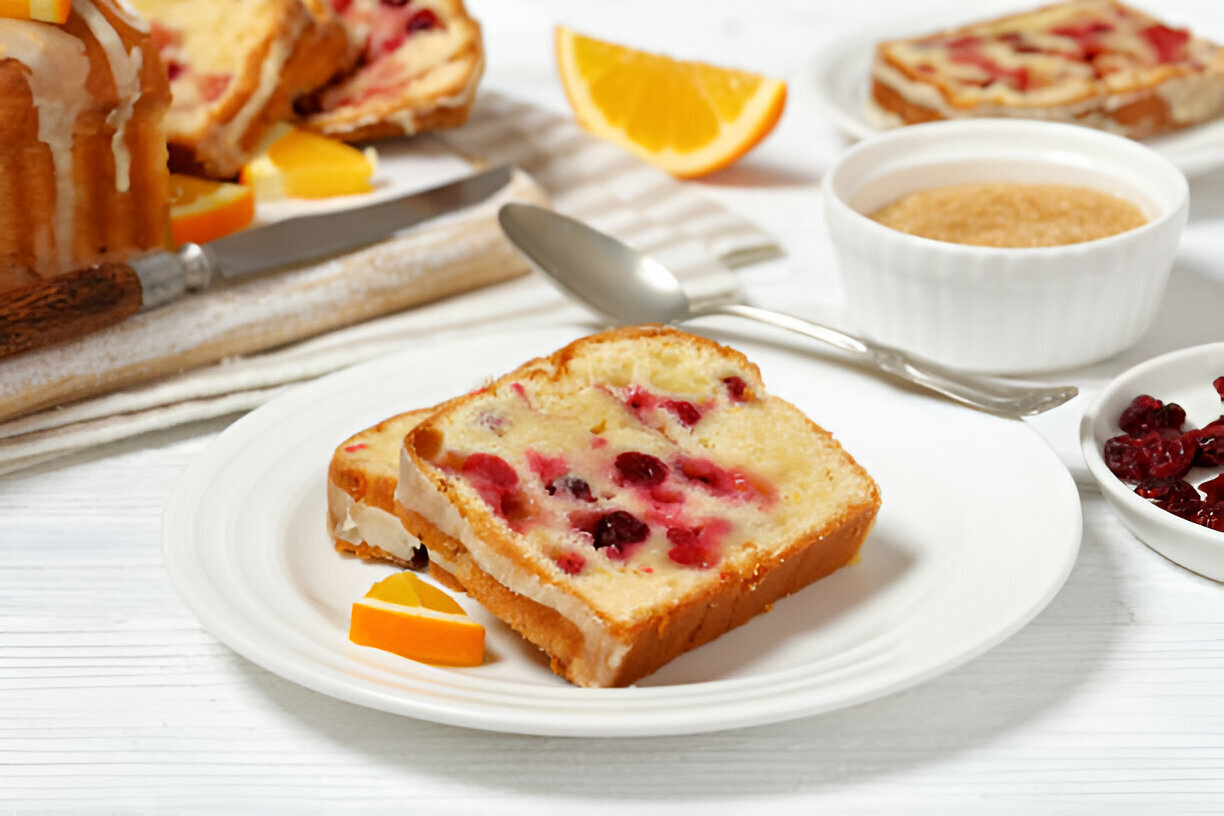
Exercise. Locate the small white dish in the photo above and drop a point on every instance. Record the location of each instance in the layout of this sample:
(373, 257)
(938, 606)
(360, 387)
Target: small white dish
(1003, 310)
(1184, 377)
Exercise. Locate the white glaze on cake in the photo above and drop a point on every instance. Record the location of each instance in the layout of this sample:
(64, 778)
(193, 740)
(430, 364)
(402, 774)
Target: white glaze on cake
(125, 69)
(58, 71)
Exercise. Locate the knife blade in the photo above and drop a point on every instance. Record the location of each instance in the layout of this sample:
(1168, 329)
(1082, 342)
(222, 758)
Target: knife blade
(72, 305)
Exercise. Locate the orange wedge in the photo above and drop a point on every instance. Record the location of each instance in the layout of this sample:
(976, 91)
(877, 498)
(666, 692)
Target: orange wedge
(408, 617)
(686, 117)
(299, 164)
(202, 209)
(47, 11)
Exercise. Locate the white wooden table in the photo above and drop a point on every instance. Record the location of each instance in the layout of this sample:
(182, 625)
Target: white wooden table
(112, 696)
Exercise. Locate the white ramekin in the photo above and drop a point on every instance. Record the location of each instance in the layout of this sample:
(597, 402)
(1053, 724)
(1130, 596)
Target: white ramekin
(1005, 311)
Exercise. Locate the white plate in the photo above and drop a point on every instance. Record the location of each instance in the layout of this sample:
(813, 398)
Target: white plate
(841, 79)
(979, 529)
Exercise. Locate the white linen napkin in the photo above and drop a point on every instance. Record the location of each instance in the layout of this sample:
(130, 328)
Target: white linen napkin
(585, 177)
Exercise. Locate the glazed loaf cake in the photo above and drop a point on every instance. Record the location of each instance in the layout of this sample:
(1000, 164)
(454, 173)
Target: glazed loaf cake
(1092, 62)
(420, 63)
(629, 498)
(83, 175)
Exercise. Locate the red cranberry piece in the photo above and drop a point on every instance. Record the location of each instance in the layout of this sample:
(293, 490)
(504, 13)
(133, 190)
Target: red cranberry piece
(697, 546)
(688, 549)
(1155, 454)
(570, 486)
(641, 468)
(1210, 442)
(341, 6)
(489, 468)
(639, 401)
(1218, 384)
(1166, 42)
(174, 69)
(737, 389)
(1174, 495)
(571, 563)
(617, 529)
(1211, 515)
(1146, 413)
(422, 20)
(395, 3)
(212, 86)
(1213, 490)
(686, 412)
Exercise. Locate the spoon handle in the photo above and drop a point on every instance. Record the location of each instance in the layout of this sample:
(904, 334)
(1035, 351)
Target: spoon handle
(986, 393)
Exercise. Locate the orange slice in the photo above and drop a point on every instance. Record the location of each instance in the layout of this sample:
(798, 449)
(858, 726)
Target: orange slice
(202, 209)
(300, 164)
(47, 11)
(408, 617)
(686, 117)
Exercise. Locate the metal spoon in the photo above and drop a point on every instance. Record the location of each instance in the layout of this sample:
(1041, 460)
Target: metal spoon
(619, 283)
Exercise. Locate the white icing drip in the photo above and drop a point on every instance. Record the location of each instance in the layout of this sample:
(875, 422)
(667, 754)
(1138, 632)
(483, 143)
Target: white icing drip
(58, 69)
(131, 16)
(125, 69)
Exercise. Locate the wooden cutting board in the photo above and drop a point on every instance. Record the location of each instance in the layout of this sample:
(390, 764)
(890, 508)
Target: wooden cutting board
(452, 254)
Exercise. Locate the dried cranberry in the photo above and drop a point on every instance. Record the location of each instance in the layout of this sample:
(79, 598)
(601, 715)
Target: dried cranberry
(688, 548)
(1146, 413)
(686, 412)
(341, 6)
(1174, 495)
(719, 480)
(571, 486)
(396, 3)
(1166, 42)
(641, 468)
(737, 389)
(697, 546)
(1210, 442)
(1211, 515)
(1155, 454)
(491, 469)
(1218, 384)
(1213, 490)
(617, 529)
(174, 69)
(422, 20)
(571, 563)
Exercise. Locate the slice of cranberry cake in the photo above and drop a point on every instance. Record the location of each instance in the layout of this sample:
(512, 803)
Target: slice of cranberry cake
(1093, 62)
(631, 497)
(235, 70)
(420, 63)
(361, 479)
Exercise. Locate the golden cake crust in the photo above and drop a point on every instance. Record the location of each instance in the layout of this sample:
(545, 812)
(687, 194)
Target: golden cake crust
(1095, 62)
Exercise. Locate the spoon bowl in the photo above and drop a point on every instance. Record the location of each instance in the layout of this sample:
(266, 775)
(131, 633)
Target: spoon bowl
(623, 286)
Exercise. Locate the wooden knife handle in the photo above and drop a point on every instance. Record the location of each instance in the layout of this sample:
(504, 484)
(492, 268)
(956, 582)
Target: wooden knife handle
(67, 306)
